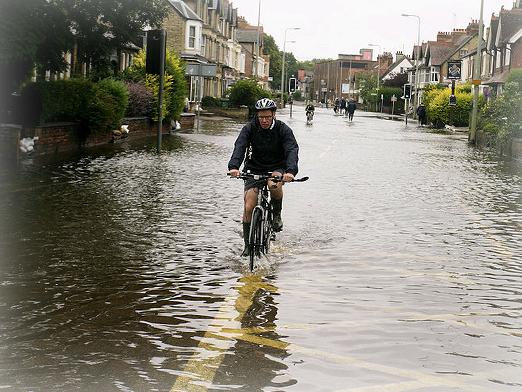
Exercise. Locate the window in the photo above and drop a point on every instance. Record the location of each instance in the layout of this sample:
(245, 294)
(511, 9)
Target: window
(192, 37)
(203, 43)
(434, 74)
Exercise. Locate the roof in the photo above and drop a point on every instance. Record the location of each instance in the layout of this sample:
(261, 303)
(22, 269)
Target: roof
(396, 63)
(493, 26)
(510, 22)
(184, 10)
(499, 78)
(249, 35)
(440, 51)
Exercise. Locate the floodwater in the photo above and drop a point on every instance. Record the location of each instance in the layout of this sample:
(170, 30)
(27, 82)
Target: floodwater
(399, 269)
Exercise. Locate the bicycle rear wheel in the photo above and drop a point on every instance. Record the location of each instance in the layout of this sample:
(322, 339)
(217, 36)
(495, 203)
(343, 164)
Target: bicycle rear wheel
(255, 240)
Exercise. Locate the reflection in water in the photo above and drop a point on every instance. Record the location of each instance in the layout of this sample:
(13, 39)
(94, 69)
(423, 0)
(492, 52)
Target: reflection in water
(241, 350)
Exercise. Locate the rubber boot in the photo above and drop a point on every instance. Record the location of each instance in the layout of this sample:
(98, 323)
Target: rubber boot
(277, 222)
(246, 236)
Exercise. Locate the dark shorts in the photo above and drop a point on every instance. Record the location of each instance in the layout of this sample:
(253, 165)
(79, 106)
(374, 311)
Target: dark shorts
(251, 183)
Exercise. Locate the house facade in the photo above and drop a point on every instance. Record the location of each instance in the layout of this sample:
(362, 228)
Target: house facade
(401, 65)
(205, 31)
(503, 50)
(336, 78)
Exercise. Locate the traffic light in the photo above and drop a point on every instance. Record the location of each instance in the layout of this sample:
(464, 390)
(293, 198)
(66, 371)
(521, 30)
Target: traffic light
(292, 85)
(153, 57)
(407, 91)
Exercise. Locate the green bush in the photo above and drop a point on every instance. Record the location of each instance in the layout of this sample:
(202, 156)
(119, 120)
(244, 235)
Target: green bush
(61, 100)
(140, 100)
(246, 92)
(441, 113)
(515, 75)
(175, 87)
(107, 105)
(502, 116)
(298, 96)
(210, 102)
(96, 106)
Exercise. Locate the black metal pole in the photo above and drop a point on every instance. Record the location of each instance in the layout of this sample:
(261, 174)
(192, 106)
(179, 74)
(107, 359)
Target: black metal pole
(160, 93)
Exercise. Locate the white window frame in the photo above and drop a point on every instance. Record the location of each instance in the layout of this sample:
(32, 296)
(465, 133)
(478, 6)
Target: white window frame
(191, 44)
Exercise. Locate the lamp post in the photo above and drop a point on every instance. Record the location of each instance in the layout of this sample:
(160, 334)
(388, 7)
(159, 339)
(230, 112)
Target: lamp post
(378, 71)
(255, 69)
(417, 60)
(283, 64)
(476, 78)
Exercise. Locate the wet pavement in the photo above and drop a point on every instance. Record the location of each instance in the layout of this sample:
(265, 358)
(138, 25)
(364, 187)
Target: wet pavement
(399, 269)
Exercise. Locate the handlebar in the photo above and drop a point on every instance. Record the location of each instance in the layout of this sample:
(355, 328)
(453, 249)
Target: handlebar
(267, 176)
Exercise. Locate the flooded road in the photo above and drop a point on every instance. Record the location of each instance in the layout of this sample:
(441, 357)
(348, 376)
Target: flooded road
(399, 269)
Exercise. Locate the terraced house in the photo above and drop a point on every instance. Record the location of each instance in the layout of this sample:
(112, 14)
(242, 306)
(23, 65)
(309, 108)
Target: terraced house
(205, 31)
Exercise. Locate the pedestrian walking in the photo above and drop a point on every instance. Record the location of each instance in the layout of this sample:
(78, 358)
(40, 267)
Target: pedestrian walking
(351, 109)
(421, 114)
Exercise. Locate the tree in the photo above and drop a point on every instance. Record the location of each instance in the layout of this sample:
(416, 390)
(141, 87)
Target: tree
(398, 80)
(104, 26)
(367, 82)
(246, 92)
(32, 32)
(270, 48)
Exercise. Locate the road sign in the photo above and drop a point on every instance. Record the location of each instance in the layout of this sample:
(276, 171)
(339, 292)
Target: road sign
(193, 69)
(454, 69)
(476, 82)
(393, 98)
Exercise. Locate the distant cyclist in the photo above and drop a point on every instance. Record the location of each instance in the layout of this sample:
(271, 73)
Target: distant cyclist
(310, 110)
(264, 145)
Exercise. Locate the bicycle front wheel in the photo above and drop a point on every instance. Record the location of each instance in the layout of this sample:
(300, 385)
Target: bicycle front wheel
(256, 237)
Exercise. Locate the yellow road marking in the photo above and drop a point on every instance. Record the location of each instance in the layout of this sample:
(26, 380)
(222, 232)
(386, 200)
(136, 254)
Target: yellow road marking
(200, 371)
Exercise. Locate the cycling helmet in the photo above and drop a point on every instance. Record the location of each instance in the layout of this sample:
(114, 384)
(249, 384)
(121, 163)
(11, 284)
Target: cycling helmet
(266, 104)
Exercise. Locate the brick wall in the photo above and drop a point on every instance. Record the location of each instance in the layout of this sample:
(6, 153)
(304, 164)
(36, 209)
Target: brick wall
(9, 139)
(61, 137)
(174, 25)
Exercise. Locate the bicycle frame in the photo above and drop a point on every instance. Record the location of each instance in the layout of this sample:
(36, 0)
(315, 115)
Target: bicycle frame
(261, 233)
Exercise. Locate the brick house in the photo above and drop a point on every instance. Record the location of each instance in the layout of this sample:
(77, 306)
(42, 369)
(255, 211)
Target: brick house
(256, 63)
(433, 56)
(503, 48)
(400, 66)
(184, 35)
(206, 32)
(332, 76)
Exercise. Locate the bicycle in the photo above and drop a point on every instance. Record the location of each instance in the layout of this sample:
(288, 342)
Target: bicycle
(261, 230)
(309, 117)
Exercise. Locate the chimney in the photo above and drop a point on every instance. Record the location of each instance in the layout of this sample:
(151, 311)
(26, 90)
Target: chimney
(443, 36)
(399, 56)
(473, 27)
(456, 34)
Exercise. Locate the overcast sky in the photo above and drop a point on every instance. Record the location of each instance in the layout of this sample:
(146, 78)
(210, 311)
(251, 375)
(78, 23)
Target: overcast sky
(330, 27)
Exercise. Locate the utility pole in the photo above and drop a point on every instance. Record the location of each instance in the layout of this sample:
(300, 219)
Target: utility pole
(255, 69)
(476, 79)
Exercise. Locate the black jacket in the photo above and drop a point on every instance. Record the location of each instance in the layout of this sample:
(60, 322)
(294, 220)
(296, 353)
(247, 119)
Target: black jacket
(268, 149)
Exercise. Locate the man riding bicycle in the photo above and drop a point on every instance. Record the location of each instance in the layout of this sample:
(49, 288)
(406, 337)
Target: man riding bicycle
(265, 145)
(310, 109)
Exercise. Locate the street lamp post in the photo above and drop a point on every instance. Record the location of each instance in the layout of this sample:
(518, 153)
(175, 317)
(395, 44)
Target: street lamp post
(256, 64)
(378, 72)
(417, 60)
(476, 78)
(283, 64)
